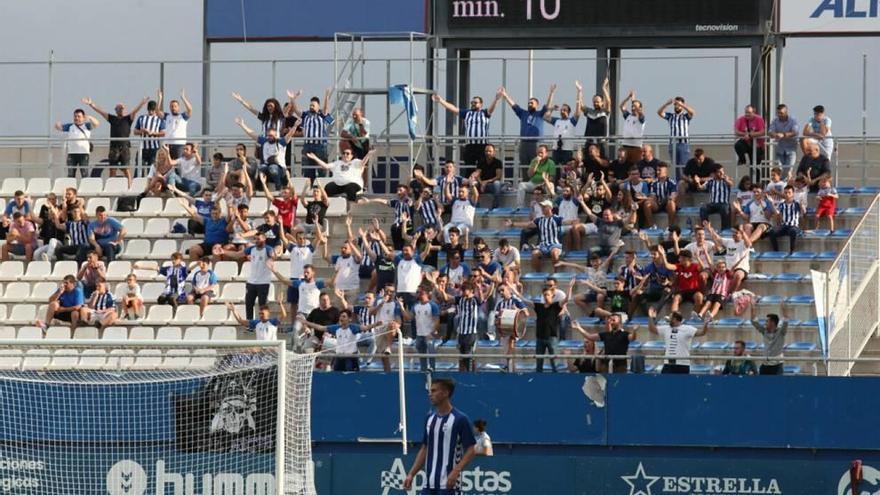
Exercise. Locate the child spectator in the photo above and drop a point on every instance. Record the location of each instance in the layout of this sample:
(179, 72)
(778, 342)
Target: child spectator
(130, 296)
(827, 202)
(721, 282)
(775, 189)
(205, 286)
(175, 282)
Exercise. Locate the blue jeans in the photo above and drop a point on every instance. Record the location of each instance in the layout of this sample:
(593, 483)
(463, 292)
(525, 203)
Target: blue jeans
(722, 209)
(425, 345)
(493, 188)
(275, 174)
(679, 153)
(786, 159)
(564, 326)
(109, 250)
(188, 186)
(545, 346)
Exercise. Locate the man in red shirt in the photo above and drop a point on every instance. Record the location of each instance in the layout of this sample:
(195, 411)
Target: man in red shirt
(749, 129)
(687, 281)
(286, 204)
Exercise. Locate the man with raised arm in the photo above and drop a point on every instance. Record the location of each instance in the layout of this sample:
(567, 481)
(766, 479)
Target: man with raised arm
(476, 125)
(149, 125)
(273, 147)
(679, 128)
(176, 122)
(77, 141)
(633, 128)
(677, 338)
(773, 331)
(347, 174)
(531, 126)
(597, 114)
(316, 122)
(563, 128)
(120, 130)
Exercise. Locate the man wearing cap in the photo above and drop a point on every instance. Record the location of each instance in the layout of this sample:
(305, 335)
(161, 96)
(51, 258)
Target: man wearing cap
(548, 226)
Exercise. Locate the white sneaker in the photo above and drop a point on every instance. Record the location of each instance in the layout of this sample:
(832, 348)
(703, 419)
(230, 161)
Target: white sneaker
(44, 256)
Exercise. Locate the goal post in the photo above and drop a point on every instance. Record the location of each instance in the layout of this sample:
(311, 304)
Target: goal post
(145, 417)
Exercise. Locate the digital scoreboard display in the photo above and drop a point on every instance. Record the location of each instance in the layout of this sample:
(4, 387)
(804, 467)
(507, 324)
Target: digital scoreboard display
(476, 18)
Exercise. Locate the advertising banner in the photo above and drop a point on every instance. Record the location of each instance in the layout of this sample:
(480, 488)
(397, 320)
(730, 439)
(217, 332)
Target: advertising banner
(829, 16)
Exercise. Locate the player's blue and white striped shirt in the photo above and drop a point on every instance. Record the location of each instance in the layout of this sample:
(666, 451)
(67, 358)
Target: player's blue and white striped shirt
(476, 125)
(678, 125)
(456, 182)
(719, 190)
(363, 315)
(512, 303)
(428, 211)
(401, 206)
(374, 246)
(446, 440)
(104, 301)
(78, 232)
(548, 230)
(629, 276)
(150, 123)
(790, 213)
(468, 315)
(314, 125)
(663, 188)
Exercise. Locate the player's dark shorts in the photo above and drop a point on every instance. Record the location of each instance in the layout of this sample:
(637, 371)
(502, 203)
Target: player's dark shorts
(365, 272)
(716, 298)
(467, 343)
(687, 295)
(62, 316)
(119, 155)
(293, 292)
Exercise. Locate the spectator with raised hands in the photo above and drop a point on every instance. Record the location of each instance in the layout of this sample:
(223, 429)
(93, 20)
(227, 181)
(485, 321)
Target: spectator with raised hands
(286, 202)
(757, 213)
(264, 326)
(347, 174)
(346, 266)
(273, 146)
(316, 209)
(346, 333)
(215, 228)
(149, 127)
(677, 338)
(569, 206)
(188, 174)
(687, 281)
(176, 122)
(679, 128)
(596, 114)
(78, 132)
(242, 165)
(633, 128)
(637, 192)
(616, 340)
(425, 315)
(120, 130)
(737, 254)
(702, 251)
(271, 116)
(430, 210)
(563, 127)
(463, 209)
(476, 124)
(773, 331)
(719, 187)
(403, 209)
(316, 122)
(356, 134)
(240, 229)
(548, 226)
(597, 276)
(531, 125)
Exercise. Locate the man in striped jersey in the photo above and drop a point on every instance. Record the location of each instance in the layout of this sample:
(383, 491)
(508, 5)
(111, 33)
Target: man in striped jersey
(663, 196)
(679, 120)
(315, 123)
(468, 315)
(149, 126)
(508, 337)
(719, 186)
(476, 125)
(447, 446)
(788, 214)
(548, 234)
(101, 308)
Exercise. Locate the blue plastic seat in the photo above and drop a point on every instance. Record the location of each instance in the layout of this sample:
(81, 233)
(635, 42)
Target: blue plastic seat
(484, 233)
(635, 344)
(801, 347)
(650, 368)
(588, 320)
(640, 320)
(535, 276)
(374, 366)
(501, 212)
(488, 343)
(820, 233)
(570, 344)
(654, 345)
(760, 277)
(510, 233)
(804, 299)
(729, 321)
(856, 210)
(841, 233)
(751, 345)
(577, 255)
(770, 299)
(701, 369)
(445, 366)
(643, 255)
(563, 276)
(786, 277)
(450, 343)
(715, 345)
(845, 189)
(481, 211)
(868, 190)
(802, 255)
(791, 369)
(809, 323)
(491, 366)
(525, 344)
(772, 255)
(827, 255)
(689, 210)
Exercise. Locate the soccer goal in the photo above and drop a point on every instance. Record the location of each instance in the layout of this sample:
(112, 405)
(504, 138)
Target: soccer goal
(132, 418)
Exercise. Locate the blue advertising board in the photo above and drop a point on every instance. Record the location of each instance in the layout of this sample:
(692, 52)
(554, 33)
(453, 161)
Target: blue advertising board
(235, 20)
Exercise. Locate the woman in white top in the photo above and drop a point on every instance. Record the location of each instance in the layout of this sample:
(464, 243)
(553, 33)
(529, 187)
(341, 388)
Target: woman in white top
(484, 443)
(348, 174)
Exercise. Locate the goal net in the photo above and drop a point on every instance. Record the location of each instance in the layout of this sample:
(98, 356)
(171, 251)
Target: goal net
(191, 418)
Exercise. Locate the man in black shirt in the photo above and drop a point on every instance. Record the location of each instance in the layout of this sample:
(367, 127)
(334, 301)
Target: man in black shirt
(547, 325)
(325, 314)
(619, 167)
(491, 177)
(616, 340)
(814, 166)
(120, 131)
(701, 166)
(587, 362)
(648, 164)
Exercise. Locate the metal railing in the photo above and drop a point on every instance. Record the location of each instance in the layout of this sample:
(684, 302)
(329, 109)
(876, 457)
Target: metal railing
(851, 293)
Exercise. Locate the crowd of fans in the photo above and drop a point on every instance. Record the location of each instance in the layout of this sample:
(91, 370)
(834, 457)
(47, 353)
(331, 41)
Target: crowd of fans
(583, 196)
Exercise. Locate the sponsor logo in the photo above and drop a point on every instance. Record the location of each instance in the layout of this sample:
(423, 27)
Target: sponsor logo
(870, 484)
(475, 481)
(128, 477)
(714, 28)
(858, 9)
(641, 483)
(476, 8)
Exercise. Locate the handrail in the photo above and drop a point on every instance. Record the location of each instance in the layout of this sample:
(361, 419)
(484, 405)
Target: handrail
(852, 234)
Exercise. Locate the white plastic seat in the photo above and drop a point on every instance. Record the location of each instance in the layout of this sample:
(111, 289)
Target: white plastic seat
(187, 315)
(58, 333)
(147, 359)
(94, 203)
(299, 183)
(11, 270)
(90, 186)
(118, 270)
(2, 313)
(7, 333)
(239, 308)
(115, 186)
(36, 359)
(63, 183)
(63, 268)
(245, 271)
(37, 270)
(17, 292)
(159, 314)
(203, 359)
(40, 292)
(173, 209)
(85, 333)
(151, 291)
(157, 227)
(186, 244)
(134, 227)
(215, 314)
(142, 333)
(64, 359)
(196, 333)
(39, 185)
(92, 359)
(149, 207)
(169, 333)
(226, 270)
(232, 292)
(136, 249)
(120, 359)
(257, 206)
(30, 333)
(23, 314)
(10, 359)
(12, 184)
(176, 359)
(283, 269)
(224, 333)
(114, 333)
(338, 207)
(163, 248)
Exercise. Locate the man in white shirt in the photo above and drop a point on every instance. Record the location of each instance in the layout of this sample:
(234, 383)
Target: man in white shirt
(78, 146)
(347, 174)
(347, 266)
(188, 176)
(425, 315)
(507, 256)
(563, 129)
(176, 123)
(262, 258)
(633, 128)
(703, 252)
(264, 327)
(677, 337)
(737, 256)
(463, 209)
